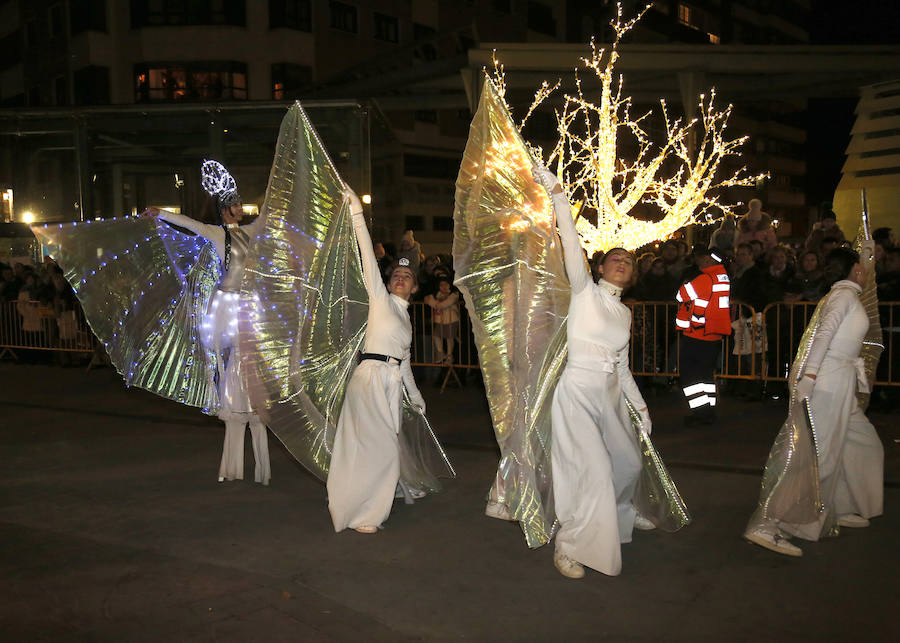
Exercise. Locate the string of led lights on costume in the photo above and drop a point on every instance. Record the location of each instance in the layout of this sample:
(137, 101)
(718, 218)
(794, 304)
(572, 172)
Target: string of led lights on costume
(144, 288)
(301, 338)
(668, 185)
(509, 267)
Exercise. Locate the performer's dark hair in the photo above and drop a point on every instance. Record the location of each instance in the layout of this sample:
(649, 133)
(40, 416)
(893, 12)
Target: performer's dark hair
(838, 264)
(211, 212)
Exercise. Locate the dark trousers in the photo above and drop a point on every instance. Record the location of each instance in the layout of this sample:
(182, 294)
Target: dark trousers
(697, 374)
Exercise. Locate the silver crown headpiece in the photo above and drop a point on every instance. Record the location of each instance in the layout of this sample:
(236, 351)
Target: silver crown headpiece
(403, 261)
(218, 182)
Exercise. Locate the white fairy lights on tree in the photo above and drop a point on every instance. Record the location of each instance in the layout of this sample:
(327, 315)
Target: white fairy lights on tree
(678, 179)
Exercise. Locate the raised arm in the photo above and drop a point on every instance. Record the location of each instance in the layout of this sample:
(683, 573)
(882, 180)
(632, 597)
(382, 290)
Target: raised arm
(576, 268)
(371, 271)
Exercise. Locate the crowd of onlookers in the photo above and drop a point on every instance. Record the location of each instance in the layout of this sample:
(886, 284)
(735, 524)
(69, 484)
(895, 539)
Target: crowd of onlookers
(45, 302)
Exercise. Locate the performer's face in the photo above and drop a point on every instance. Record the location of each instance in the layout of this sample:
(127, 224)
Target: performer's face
(233, 213)
(402, 283)
(618, 267)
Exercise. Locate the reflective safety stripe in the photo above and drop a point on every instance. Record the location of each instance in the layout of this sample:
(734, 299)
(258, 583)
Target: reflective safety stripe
(689, 289)
(720, 287)
(723, 302)
(682, 324)
(678, 298)
(703, 400)
(693, 389)
(701, 302)
(698, 320)
(708, 388)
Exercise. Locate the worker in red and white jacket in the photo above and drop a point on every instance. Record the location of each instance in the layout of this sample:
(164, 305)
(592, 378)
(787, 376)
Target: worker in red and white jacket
(703, 319)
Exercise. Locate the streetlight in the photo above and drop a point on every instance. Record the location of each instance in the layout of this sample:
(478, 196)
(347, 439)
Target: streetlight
(28, 217)
(367, 199)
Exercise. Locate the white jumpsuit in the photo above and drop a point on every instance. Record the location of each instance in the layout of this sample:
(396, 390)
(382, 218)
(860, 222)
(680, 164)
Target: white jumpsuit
(220, 334)
(365, 459)
(850, 454)
(595, 454)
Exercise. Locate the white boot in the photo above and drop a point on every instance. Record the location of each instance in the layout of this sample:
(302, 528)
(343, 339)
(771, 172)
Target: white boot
(568, 567)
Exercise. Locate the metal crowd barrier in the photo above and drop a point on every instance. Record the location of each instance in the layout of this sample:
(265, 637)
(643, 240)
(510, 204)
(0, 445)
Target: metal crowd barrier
(761, 347)
(34, 326)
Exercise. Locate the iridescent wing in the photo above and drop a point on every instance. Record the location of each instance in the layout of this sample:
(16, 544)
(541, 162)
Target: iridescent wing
(307, 301)
(509, 267)
(873, 342)
(144, 287)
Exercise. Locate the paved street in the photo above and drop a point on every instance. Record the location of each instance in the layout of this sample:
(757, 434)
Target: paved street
(114, 528)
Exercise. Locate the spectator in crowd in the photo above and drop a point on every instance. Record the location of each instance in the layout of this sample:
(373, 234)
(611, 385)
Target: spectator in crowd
(723, 239)
(747, 280)
(657, 285)
(778, 274)
(828, 244)
(758, 249)
(410, 249)
(384, 259)
(808, 283)
(756, 225)
(445, 319)
(884, 236)
(747, 287)
(427, 282)
(675, 263)
(645, 261)
(29, 308)
(10, 285)
(822, 230)
(889, 280)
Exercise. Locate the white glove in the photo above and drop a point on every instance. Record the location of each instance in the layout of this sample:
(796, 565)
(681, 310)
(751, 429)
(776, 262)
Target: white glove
(805, 387)
(353, 200)
(646, 424)
(546, 178)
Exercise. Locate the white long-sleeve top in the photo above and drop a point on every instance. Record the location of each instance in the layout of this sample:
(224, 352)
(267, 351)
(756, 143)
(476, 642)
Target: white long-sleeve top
(241, 236)
(389, 329)
(599, 325)
(843, 325)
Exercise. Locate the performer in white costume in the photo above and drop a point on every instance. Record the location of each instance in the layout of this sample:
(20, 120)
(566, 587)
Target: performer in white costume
(220, 326)
(595, 454)
(365, 461)
(847, 466)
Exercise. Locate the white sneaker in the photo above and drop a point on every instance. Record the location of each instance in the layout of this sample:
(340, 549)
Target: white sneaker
(852, 520)
(221, 479)
(773, 542)
(642, 523)
(497, 510)
(568, 567)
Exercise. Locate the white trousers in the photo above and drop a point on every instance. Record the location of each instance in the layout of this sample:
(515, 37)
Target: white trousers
(596, 463)
(232, 465)
(365, 459)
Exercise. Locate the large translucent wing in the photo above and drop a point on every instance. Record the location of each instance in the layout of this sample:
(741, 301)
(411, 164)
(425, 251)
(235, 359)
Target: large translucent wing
(307, 301)
(144, 288)
(509, 268)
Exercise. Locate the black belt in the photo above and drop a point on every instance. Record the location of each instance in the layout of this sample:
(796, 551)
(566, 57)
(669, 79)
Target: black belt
(378, 358)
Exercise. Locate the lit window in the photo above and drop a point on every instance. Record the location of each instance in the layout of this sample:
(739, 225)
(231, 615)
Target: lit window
(197, 81)
(684, 14)
(713, 38)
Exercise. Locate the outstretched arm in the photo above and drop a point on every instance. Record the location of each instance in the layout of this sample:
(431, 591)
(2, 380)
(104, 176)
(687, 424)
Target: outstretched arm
(203, 229)
(371, 271)
(576, 268)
